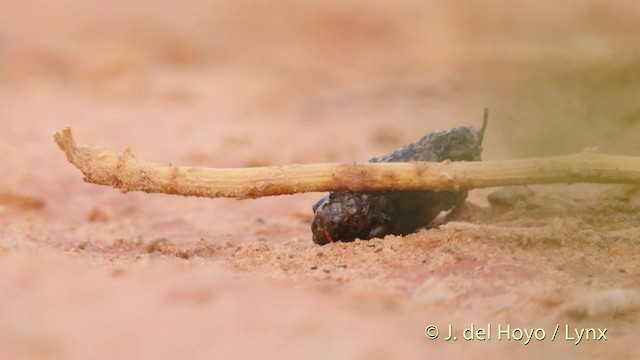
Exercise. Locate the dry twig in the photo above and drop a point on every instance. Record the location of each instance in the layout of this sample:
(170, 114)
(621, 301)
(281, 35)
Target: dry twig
(127, 173)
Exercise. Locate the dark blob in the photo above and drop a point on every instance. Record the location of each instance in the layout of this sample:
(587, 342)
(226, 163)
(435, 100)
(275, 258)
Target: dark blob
(346, 216)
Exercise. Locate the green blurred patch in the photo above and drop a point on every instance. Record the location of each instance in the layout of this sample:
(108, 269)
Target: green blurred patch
(559, 108)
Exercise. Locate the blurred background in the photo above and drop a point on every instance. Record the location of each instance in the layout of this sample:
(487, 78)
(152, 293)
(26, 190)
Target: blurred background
(557, 76)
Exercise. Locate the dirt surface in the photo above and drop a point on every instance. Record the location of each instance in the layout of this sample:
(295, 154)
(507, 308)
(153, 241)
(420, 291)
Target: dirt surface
(88, 272)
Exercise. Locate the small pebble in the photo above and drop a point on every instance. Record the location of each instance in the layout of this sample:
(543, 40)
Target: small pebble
(509, 196)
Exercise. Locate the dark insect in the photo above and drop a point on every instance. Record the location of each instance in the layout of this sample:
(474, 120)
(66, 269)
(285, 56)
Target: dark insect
(345, 216)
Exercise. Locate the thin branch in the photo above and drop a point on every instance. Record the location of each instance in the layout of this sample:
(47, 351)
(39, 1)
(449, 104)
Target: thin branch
(485, 122)
(127, 173)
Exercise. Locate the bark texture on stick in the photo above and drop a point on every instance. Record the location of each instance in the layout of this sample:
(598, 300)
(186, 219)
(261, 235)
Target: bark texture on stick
(127, 173)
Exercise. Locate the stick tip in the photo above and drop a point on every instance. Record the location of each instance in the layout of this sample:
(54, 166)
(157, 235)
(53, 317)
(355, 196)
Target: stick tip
(63, 136)
(65, 141)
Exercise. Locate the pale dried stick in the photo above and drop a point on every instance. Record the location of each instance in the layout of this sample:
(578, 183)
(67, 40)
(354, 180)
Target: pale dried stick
(125, 172)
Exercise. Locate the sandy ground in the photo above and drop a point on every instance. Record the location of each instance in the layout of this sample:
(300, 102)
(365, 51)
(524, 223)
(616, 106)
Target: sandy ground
(88, 272)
